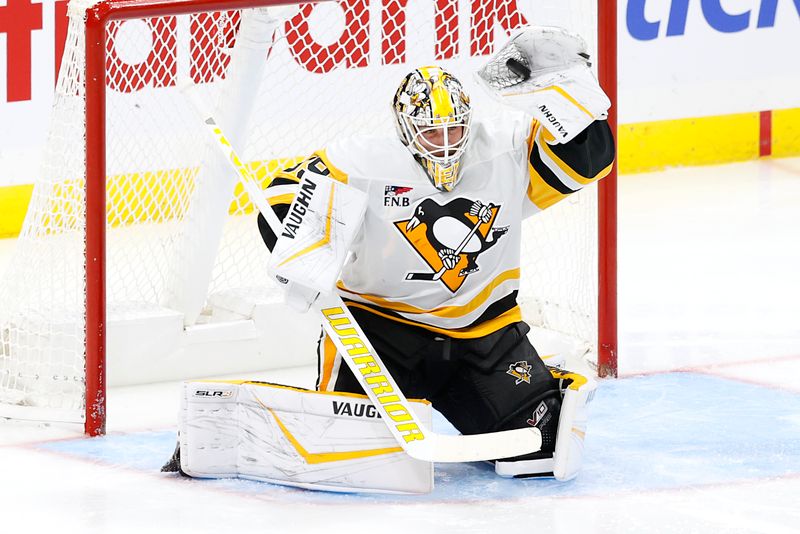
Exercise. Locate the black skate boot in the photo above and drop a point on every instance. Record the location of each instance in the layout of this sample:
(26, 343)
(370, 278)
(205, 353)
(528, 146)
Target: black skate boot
(173, 465)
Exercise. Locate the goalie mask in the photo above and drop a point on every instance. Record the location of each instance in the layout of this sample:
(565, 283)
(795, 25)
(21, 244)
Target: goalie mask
(432, 115)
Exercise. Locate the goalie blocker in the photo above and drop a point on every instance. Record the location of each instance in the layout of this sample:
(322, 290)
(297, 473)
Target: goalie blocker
(317, 232)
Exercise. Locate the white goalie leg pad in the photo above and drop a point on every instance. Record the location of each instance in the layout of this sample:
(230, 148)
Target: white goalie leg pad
(577, 392)
(314, 440)
(323, 220)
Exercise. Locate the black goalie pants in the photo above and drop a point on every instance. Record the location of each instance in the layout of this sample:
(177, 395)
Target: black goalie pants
(496, 382)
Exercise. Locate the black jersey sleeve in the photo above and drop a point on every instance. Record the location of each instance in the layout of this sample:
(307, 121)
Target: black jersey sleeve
(558, 170)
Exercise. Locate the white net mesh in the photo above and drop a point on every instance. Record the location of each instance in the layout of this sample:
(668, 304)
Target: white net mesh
(184, 240)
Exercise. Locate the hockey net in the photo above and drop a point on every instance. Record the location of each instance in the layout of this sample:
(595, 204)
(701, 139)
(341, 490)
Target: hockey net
(185, 290)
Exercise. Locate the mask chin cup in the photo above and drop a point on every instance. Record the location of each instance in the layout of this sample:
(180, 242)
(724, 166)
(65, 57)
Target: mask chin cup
(443, 177)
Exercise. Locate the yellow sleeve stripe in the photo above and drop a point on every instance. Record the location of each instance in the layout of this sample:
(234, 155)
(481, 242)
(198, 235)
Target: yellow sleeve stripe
(535, 127)
(328, 350)
(539, 192)
(547, 136)
(585, 180)
(443, 311)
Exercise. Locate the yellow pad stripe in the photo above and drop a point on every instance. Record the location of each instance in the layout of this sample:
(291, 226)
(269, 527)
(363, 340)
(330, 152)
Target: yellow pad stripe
(569, 97)
(322, 242)
(563, 93)
(298, 389)
(325, 457)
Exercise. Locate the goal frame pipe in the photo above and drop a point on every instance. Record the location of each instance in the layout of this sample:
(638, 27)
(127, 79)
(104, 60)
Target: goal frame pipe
(607, 349)
(97, 18)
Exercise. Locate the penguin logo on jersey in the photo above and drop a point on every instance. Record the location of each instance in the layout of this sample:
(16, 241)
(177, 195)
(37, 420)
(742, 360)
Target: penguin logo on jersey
(521, 371)
(450, 238)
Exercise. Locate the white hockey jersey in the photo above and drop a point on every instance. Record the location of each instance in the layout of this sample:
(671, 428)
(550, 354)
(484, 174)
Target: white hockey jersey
(398, 268)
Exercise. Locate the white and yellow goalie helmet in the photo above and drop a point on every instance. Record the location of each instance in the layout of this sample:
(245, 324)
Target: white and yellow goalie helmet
(433, 114)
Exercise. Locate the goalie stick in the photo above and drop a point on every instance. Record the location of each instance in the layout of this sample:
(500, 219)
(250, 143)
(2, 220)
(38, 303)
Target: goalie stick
(414, 437)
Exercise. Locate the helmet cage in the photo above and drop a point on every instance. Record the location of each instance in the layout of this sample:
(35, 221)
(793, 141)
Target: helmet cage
(433, 117)
(433, 139)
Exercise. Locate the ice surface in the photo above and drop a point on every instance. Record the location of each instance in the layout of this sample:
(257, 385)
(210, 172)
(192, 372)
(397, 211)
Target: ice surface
(702, 433)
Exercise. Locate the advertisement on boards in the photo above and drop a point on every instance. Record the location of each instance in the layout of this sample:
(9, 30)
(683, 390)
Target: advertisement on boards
(677, 59)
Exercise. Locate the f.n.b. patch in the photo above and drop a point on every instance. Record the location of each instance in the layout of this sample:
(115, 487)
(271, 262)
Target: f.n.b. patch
(396, 196)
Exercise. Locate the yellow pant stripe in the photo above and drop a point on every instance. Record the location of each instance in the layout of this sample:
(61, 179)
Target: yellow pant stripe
(513, 315)
(442, 311)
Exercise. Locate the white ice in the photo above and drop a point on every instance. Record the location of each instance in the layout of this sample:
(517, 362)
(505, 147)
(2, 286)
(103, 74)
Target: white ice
(709, 319)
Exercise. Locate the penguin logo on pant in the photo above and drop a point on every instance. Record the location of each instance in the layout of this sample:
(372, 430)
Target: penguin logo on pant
(450, 238)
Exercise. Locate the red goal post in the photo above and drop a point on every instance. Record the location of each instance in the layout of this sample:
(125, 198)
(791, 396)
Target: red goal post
(607, 346)
(482, 20)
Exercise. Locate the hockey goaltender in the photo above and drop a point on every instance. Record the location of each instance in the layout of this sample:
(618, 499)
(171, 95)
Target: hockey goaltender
(419, 234)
